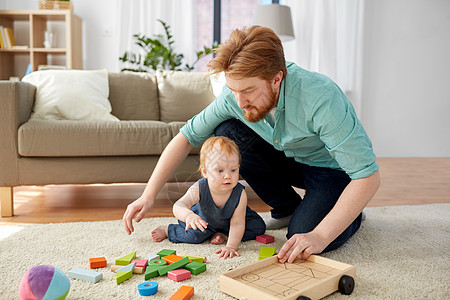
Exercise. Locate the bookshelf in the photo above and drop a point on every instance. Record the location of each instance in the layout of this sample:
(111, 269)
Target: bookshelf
(29, 28)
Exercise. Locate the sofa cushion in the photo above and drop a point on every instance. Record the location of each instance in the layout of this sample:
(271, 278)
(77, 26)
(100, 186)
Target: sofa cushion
(71, 95)
(182, 94)
(134, 96)
(72, 138)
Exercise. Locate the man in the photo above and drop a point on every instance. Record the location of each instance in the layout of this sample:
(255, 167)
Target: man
(293, 128)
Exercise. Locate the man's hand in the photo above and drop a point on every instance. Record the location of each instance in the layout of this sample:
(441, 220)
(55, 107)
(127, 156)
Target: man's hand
(227, 252)
(136, 210)
(195, 222)
(301, 244)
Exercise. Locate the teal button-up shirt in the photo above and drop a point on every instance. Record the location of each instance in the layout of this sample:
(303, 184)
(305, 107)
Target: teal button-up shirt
(315, 124)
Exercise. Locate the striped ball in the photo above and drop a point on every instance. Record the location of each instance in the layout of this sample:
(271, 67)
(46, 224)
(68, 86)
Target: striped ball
(44, 282)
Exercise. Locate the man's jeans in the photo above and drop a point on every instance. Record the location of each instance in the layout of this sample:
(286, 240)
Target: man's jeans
(272, 175)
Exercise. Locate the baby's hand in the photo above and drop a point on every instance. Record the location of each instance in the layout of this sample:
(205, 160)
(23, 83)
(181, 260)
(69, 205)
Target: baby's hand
(227, 252)
(195, 222)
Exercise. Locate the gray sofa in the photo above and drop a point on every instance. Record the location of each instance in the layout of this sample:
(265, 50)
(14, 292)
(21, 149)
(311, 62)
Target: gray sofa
(151, 108)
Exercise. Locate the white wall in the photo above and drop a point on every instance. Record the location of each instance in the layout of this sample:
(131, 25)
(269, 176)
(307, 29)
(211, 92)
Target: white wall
(406, 77)
(405, 71)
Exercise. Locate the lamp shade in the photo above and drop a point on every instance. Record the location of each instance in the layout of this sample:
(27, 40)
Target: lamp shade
(276, 17)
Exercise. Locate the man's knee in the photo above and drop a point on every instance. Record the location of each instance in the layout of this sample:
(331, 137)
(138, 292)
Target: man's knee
(226, 128)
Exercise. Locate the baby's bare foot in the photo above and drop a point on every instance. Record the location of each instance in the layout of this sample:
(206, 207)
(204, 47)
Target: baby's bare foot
(218, 238)
(160, 233)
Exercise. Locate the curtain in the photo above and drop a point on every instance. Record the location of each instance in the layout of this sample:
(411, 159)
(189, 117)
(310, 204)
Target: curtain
(141, 17)
(328, 40)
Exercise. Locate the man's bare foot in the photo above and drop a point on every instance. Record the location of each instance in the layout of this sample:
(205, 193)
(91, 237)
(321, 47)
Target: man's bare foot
(160, 233)
(218, 238)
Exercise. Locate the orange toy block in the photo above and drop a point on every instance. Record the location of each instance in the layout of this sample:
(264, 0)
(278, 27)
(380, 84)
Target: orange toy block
(184, 293)
(170, 259)
(97, 262)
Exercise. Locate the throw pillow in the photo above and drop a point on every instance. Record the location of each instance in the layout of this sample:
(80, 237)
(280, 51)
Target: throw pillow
(182, 95)
(71, 95)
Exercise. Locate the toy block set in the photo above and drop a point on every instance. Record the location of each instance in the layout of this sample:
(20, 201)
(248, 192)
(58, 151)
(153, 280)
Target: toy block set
(165, 262)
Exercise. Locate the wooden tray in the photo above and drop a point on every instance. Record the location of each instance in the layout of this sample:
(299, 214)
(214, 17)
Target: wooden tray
(268, 279)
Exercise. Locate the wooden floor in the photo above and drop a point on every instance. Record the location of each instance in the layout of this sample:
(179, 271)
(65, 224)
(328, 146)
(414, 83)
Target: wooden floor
(404, 181)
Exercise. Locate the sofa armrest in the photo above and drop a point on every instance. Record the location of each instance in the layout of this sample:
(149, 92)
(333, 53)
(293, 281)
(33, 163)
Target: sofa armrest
(16, 104)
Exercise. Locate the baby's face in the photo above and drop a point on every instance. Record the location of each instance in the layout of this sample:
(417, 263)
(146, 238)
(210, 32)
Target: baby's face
(222, 170)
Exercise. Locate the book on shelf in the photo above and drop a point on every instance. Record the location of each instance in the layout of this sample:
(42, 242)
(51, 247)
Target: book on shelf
(19, 47)
(7, 40)
(10, 37)
(2, 40)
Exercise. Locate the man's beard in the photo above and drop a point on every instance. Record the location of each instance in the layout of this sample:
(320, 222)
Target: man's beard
(259, 113)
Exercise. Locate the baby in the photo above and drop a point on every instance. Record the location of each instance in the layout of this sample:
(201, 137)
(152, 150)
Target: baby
(215, 206)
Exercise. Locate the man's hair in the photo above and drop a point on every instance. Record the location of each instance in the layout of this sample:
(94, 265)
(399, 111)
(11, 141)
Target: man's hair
(255, 51)
(223, 143)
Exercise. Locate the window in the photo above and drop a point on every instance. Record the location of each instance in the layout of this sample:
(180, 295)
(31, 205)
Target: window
(233, 14)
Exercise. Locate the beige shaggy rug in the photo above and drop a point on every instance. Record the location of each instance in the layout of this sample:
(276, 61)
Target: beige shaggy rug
(400, 252)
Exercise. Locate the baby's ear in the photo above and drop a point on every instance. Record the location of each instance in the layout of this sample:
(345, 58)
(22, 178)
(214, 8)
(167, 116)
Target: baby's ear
(203, 171)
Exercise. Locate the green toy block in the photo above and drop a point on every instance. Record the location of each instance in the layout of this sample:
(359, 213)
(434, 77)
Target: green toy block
(126, 260)
(166, 252)
(122, 276)
(195, 267)
(195, 258)
(152, 268)
(173, 266)
(152, 271)
(266, 252)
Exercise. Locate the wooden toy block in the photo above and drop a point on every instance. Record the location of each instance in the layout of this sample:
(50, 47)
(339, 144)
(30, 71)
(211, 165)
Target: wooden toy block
(173, 266)
(200, 259)
(265, 238)
(126, 260)
(137, 270)
(171, 258)
(152, 272)
(122, 276)
(153, 256)
(97, 262)
(184, 293)
(85, 275)
(157, 262)
(129, 267)
(142, 263)
(153, 267)
(148, 288)
(266, 252)
(195, 267)
(267, 279)
(179, 274)
(166, 252)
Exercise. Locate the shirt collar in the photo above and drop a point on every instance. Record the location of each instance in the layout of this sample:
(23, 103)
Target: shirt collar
(281, 96)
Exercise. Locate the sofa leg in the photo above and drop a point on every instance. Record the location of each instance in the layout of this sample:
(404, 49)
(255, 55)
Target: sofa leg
(7, 201)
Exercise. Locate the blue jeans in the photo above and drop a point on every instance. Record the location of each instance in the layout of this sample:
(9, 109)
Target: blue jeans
(272, 175)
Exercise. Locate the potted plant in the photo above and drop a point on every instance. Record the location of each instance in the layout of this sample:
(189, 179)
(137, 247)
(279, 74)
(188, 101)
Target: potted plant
(158, 53)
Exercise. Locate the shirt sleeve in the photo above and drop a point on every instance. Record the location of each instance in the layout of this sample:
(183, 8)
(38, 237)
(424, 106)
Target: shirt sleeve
(335, 121)
(202, 126)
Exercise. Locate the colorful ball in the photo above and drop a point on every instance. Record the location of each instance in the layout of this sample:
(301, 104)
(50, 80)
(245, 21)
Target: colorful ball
(44, 282)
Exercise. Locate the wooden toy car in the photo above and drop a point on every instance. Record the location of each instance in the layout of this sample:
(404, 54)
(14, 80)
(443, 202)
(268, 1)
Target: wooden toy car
(268, 279)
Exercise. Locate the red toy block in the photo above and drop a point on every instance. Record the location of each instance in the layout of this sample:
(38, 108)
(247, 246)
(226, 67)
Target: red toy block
(178, 275)
(170, 259)
(97, 262)
(184, 293)
(265, 238)
(141, 263)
